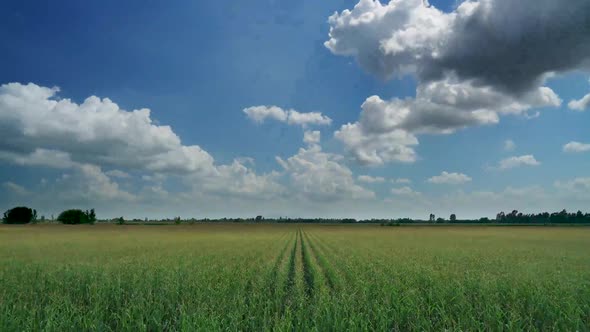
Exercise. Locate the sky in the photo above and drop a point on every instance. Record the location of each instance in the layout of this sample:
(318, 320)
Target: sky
(360, 109)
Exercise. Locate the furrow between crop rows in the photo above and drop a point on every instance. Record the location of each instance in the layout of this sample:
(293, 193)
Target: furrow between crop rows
(343, 272)
(288, 287)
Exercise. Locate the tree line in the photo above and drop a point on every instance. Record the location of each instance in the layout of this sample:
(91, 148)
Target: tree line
(26, 215)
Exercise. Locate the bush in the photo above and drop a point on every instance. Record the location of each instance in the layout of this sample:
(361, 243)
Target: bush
(19, 215)
(74, 217)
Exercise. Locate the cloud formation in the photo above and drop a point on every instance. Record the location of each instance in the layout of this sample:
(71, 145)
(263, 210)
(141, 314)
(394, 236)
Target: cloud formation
(377, 148)
(581, 104)
(483, 60)
(311, 137)
(576, 147)
(259, 114)
(499, 43)
(38, 126)
(450, 178)
(580, 185)
(319, 175)
(41, 130)
(370, 179)
(386, 130)
(517, 161)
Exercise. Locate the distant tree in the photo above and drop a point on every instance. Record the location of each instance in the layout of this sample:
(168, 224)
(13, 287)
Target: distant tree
(120, 220)
(19, 215)
(258, 218)
(91, 216)
(177, 220)
(440, 220)
(432, 217)
(73, 217)
(453, 218)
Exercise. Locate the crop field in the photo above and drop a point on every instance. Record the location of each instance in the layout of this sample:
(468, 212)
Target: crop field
(293, 277)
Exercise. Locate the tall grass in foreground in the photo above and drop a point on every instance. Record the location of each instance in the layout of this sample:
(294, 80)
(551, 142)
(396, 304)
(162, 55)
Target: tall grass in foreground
(293, 277)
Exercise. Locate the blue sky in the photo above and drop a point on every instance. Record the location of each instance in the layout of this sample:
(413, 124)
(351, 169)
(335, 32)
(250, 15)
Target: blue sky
(198, 65)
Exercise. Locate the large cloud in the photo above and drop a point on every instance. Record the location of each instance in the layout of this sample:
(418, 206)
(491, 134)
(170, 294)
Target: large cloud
(509, 45)
(444, 106)
(479, 62)
(40, 130)
(386, 130)
(34, 121)
(398, 38)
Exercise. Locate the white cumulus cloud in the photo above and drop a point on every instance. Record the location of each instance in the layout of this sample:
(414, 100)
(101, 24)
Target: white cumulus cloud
(318, 175)
(97, 131)
(39, 129)
(484, 59)
(387, 130)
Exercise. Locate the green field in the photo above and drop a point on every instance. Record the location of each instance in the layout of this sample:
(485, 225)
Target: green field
(293, 277)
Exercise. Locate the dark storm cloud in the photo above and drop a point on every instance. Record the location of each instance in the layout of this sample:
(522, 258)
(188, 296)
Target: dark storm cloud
(511, 44)
(506, 44)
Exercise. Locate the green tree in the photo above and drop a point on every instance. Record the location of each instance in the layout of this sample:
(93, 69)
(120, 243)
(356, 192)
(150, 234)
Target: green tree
(453, 217)
(73, 217)
(19, 215)
(91, 216)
